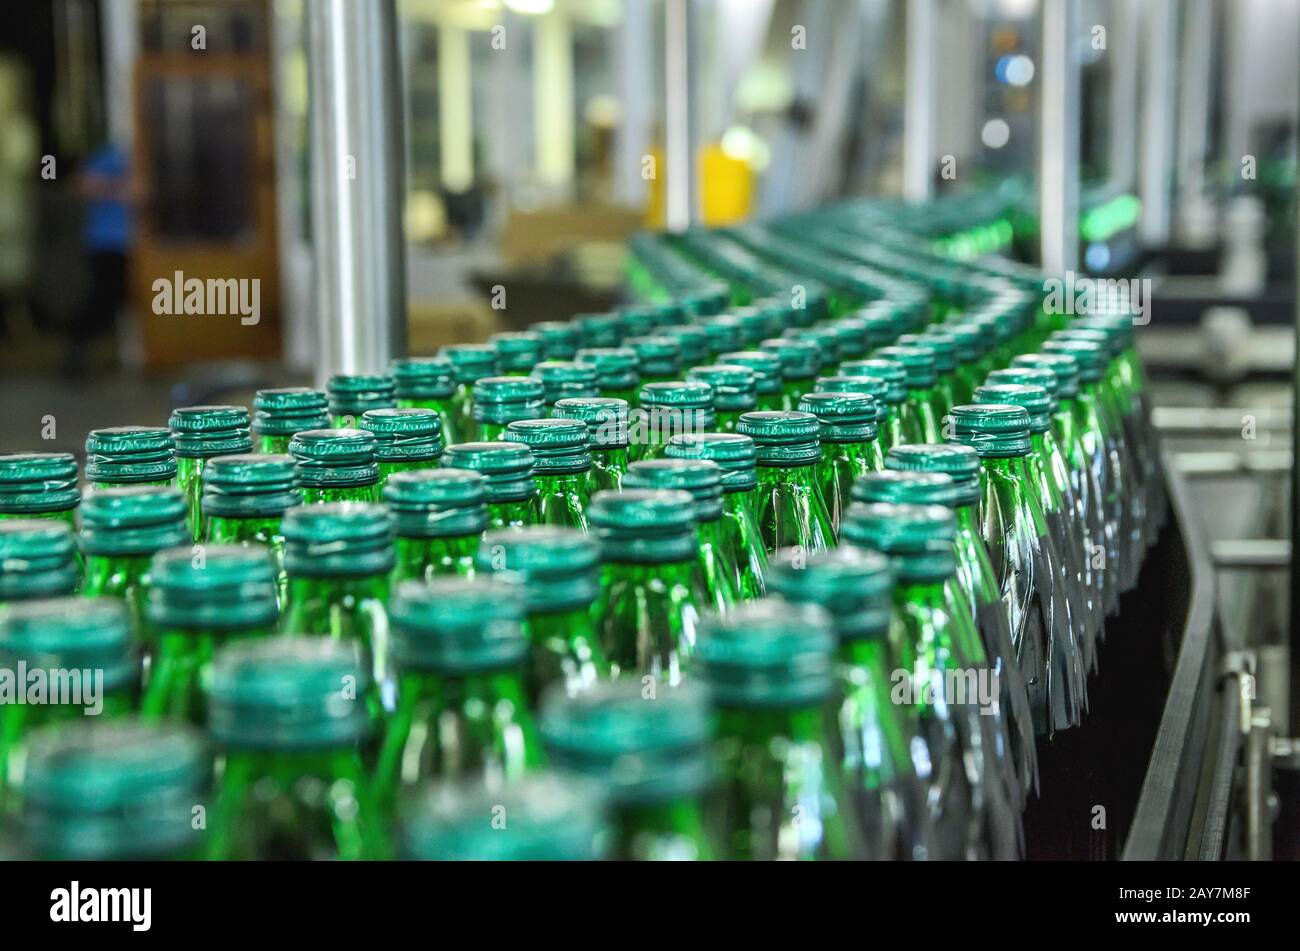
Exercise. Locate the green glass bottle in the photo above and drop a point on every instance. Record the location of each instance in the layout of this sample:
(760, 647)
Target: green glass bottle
(201, 433)
(971, 345)
(38, 559)
(716, 561)
(781, 793)
(979, 581)
(890, 428)
(245, 498)
(335, 465)
(617, 371)
(852, 342)
(692, 341)
(560, 339)
(78, 652)
(352, 395)
(766, 367)
(600, 331)
(121, 790)
(944, 347)
(734, 392)
(565, 379)
(1083, 475)
(130, 455)
(459, 650)
(651, 592)
(197, 603)
(440, 515)
(121, 530)
(511, 488)
(871, 736)
(607, 429)
(849, 446)
(502, 400)
(39, 485)
(406, 440)
(280, 414)
(561, 468)
(827, 343)
(945, 684)
(650, 755)
(517, 352)
(427, 383)
(659, 359)
(756, 324)
(919, 416)
(1032, 389)
(723, 334)
(790, 509)
(288, 716)
(552, 818)
(560, 576)
(800, 364)
(1025, 558)
(470, 362)
(339, 557)
(670, 409)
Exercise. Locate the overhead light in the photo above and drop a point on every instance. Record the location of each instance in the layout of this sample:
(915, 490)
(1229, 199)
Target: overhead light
(534, 8)
(996, 133)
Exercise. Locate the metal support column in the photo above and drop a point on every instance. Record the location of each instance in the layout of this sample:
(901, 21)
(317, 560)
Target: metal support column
(918, 103)
(358, 178)
(677, 126)
(1157, 123)
(1058, 187)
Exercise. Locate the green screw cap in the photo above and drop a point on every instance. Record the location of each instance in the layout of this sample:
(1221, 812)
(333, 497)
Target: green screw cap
(283, 412)
(902, 487)
(560, 339)
(423, 378)
(562, 379)
(767, 653)
(700, 477)
(733, 453)
(437, 503)
(229, 588)
(404, 435)
(1088, 355)
(507, 466)
(205, 431)
(872, 386)
(1060, 365)
(130, 455)
(657, 355)
(559, 567)
(824, 338)
(37, 559)
(917, 538)
(783, 439)
(552, 819)
(132, 520)
(606, 419)
(355, 394)
(559, 446)
(723, 333)
(334, 458)
(72, 633)
(853, 584)
(34, 483)
(891, 371)
(288, 693)
(692, 341)
(471, 361)
(756, 324)
(338, 538)
(971, 341)
(765, 364)
(617, 368)
(640, 750)
(505, 399)
(734, 387)
(517, 351)
(644, 526)
(600, 331)
(1035, 400)
(944, 347)
(1026, 376)
(961, 463)
(852, 338)
(249, 486)
(994, 430)
(457, 626)
(918, 364)
(120, 789)
(800, 359)
(844, 417)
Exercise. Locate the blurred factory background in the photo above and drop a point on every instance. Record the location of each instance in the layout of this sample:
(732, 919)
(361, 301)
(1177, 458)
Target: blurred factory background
(430, 171)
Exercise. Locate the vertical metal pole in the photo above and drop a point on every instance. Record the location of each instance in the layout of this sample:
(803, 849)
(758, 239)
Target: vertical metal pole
(633, 56)
(1291, 718)
(1058, 186)
(1124, 35)
(1157, 123)
(677, 111)
(918, 103)
(358, 179)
